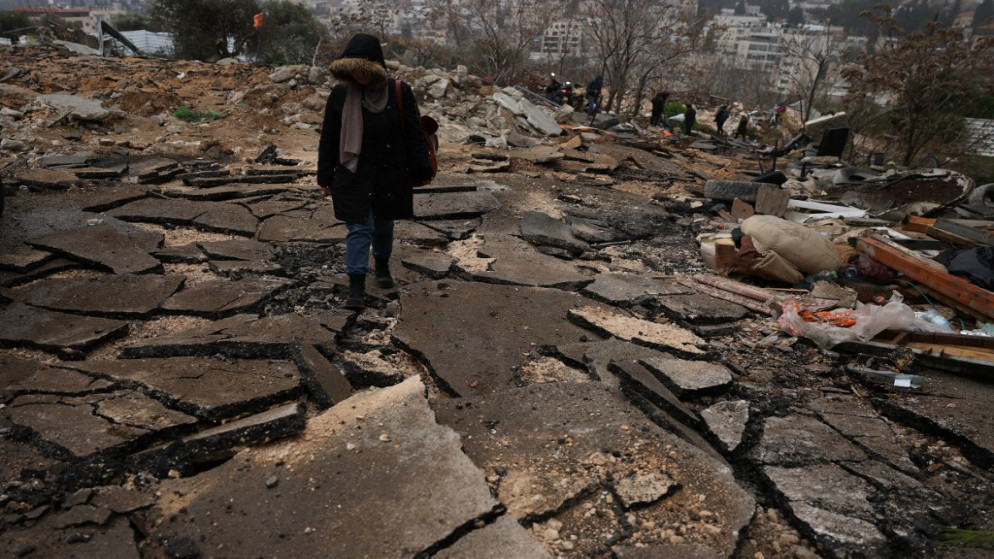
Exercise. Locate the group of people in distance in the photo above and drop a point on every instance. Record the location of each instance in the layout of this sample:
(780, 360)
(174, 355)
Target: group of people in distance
(566, 94)
(657, 117)
(554, 92)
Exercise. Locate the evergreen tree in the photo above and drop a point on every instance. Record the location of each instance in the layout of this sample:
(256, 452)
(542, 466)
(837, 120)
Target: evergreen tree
(289, 34)
(207, 29)
(15, 24)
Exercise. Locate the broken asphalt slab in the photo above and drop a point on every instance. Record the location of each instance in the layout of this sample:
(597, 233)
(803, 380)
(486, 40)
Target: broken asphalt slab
(506, 259)
(955, 408)
(105, 246)
(624, 290)
(575, 451)
(243, 336)
(29, 376)
(543, 229)
(105, 295)
(210, 389)
(453, 205)
(442, 322)
(79, 426)
(220, 297)
(379, 454)
(22, 324)
(666, 337)
(217, 217)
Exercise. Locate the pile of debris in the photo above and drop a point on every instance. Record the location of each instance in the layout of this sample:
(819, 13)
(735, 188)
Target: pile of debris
(555, 373)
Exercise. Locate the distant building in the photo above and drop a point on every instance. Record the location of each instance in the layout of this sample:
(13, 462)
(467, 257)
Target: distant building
(69, 15)
(560, 38)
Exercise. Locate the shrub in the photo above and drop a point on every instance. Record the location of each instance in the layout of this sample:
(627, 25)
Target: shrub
(190, 115)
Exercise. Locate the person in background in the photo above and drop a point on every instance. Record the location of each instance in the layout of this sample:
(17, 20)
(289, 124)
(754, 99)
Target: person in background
(742, 128)
(552, 90)
(689, 118)
(368, 159)
(778, 112)
(720, 117)
(658, 107)
(594, 95)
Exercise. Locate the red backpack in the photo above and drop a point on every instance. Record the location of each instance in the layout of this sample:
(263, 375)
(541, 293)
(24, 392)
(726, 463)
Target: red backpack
(430, 127)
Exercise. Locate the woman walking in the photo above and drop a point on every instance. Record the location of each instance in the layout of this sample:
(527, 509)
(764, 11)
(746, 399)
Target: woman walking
(369, 157)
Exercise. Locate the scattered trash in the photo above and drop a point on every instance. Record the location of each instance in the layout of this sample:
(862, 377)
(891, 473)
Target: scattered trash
(901, 380)
(830, 328)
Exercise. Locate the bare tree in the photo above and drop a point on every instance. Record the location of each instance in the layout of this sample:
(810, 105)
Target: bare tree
(495, 37)
(637, 40)
(808, 62)
(426, 52)
(928, 77)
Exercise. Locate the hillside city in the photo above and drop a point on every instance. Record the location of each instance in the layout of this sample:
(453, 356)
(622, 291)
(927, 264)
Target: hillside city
(772, 42)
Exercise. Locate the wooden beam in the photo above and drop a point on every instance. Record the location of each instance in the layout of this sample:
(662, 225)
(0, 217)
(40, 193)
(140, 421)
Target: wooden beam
(950, 238)
(979, 236)
(933, 276)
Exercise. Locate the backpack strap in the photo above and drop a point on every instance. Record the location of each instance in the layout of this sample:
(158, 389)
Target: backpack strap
(400, 103)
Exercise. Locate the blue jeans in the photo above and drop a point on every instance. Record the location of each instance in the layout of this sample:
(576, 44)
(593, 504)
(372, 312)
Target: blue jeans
(358, 239)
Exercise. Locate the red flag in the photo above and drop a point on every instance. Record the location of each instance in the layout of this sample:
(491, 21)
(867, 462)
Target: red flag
(257, 20)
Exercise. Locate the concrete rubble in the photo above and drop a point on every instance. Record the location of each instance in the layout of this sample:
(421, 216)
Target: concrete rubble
(179, 376)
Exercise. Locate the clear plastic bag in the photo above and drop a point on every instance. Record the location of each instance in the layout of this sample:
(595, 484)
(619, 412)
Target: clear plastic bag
(863, 323)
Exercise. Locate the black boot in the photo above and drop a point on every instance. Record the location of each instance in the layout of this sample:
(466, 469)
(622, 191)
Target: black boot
(357, 292)
(382, 272)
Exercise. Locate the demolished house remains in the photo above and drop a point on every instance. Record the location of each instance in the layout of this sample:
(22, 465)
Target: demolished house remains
(602, 343)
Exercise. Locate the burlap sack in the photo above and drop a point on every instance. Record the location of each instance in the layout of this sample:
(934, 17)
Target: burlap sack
(803, 247)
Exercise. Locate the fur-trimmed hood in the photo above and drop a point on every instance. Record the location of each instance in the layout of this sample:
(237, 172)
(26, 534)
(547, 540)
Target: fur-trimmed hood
(362, 53)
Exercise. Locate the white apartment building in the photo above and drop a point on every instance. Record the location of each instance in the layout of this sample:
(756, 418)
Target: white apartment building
(561, 37)
(750, 41)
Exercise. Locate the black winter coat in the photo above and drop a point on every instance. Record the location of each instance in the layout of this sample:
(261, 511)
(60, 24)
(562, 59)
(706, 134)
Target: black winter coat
(393, 157)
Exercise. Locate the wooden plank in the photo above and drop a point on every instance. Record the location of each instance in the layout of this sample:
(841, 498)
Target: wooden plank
(979, 236)
(979, 369)
(772, 200)
(951, 338)
(950, 238)
(740, 300)
(939, 349)
(934, 277)
(742, 210)
(892, 246)
(917, 224)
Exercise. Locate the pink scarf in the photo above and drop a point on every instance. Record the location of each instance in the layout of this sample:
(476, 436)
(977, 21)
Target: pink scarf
(374, 99)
